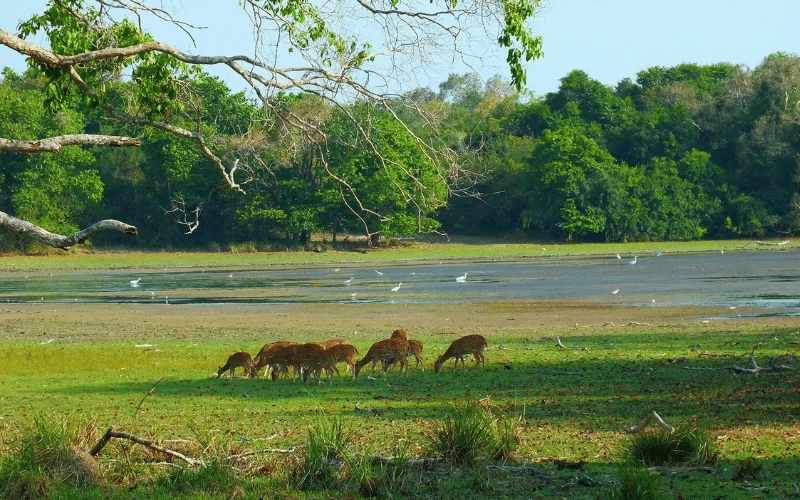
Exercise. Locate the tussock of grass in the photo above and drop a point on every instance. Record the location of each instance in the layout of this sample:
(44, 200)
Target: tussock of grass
(690, 446)
(635, 483)
(327, 444)
(748, 469)
(470, 432)
(45, 458)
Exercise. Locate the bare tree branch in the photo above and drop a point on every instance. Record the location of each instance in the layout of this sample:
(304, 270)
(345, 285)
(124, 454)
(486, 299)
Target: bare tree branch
(24, 228)
(54, 144)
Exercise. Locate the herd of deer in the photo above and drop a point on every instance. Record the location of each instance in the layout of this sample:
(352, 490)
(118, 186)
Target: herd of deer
(313, 358)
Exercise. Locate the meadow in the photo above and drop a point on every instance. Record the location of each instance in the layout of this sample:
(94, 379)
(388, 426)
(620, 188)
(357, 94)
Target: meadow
(147, 370)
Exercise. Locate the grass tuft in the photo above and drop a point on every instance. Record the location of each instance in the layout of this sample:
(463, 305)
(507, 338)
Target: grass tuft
(45, 458)
(327, 445)
(690, 446)
(469, 432)
(635, 483)
(748, 469)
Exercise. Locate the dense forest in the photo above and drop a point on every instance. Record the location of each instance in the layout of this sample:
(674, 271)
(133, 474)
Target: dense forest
(680, 153)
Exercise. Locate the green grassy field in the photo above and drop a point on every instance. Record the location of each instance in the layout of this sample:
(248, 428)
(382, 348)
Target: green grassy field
(412, 251)
(574, 404)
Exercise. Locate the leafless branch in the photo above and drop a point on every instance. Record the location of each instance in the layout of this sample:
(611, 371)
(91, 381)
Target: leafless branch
(24, 228)
(54, 144)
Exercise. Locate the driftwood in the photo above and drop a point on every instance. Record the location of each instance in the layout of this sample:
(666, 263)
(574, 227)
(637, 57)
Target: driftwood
(111, 433)
(773, 243)
(653, 416)
(562, 346)
(755, 369)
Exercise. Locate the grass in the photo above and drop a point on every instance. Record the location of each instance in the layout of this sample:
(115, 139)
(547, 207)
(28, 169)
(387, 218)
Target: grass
(686, 446)
(248, 255)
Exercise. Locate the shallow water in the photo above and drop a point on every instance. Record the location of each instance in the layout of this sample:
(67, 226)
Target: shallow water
(761, 280)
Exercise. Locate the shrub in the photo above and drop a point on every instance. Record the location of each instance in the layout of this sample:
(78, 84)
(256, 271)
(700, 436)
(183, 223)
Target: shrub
(690, 446)
(45, 458)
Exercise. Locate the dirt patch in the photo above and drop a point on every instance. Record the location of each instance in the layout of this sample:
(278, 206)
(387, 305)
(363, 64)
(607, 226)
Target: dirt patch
(93, 322)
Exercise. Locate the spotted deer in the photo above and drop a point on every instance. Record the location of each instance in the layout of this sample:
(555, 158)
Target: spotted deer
(297, 356)
(414, 349)
(265, 355)
(327, 344)
(343, 353)
(385, 351)
(317, 361)
(236, 360)
(471, 344)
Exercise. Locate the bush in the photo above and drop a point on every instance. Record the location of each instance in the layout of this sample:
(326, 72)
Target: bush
(45, 458)
(691, 446)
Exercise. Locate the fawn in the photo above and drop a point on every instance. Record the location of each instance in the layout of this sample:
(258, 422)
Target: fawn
(471, 344)
(385, 351)
(236, 360)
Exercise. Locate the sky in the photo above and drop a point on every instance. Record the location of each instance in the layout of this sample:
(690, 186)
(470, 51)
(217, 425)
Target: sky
(608, 39)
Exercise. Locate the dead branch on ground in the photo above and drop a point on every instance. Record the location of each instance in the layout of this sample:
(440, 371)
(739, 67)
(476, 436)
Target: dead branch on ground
(653, 416)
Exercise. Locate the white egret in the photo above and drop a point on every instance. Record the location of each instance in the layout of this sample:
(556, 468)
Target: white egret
(136, 281)
(353, 295)
(634, 259)
(230, 275)
(397, 287)
(659, 254)
(348, 281)
(615, 292)
(619, 256)
(336, 270)
(380, 273)
(462, 279)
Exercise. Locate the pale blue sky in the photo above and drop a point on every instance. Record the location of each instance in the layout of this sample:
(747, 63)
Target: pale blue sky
(609, 39)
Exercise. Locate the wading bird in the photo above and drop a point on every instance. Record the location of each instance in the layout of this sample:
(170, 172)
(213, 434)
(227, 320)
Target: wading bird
(397, 287)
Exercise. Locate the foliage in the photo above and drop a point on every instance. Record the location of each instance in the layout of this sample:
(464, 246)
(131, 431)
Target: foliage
(747, 469)
(327, 443)
(680, 153)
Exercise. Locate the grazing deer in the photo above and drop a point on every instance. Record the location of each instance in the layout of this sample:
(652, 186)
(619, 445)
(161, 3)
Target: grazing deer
(298, 356)
(318, 361)
(236, 360)
(327, 344)
(414, 349)
(385, 351)
(399, 334)
(262, 359)
(471, 344)
(343, 352)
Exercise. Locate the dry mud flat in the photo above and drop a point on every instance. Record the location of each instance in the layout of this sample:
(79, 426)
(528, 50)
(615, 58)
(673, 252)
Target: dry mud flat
(110, 322)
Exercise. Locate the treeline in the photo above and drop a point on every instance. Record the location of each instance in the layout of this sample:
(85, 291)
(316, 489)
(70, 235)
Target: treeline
(681, 153)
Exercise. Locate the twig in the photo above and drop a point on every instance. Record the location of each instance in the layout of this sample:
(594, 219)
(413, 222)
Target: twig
(151, 391)
(636, 323)
(651, 417)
